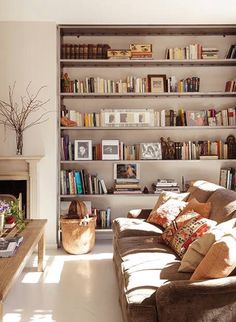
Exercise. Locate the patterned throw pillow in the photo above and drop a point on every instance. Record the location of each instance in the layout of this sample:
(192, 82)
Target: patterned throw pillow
(166, 213)
(191, 230)
(176, 224)
(166, 195)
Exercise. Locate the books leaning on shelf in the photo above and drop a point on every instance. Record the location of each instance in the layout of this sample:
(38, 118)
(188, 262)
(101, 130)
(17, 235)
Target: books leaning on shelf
(103, 218)
(230, 86)
(227, 178)
(9, 245)
(231, 54)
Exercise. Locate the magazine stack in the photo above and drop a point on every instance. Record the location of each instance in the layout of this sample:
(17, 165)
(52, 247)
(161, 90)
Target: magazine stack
(165, 185)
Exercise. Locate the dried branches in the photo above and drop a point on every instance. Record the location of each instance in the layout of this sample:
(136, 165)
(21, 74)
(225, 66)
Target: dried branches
(19, 118)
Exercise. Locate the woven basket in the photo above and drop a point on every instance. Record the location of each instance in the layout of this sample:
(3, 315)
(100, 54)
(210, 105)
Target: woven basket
(78, 235)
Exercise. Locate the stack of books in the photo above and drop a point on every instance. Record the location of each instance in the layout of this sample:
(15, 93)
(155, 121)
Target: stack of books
(9, 245)
(165, 185)
(209, 53)
(127, 187)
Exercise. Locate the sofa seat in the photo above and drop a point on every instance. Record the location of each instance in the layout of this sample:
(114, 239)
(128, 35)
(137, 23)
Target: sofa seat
(143, 265)
(127, 227)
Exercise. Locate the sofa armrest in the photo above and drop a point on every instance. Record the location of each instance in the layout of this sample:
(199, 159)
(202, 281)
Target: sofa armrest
(208, 300)
(139, 213)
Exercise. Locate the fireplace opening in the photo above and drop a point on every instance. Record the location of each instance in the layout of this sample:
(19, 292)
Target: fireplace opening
(17, 188)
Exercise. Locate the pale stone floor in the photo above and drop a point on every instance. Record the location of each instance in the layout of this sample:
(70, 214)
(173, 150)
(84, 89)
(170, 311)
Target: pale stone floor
(73, 288)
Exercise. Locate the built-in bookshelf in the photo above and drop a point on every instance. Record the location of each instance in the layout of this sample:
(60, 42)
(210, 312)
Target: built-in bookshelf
(203, 53)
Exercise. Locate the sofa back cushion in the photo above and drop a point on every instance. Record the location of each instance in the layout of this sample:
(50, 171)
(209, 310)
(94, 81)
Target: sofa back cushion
(202, 190)
(223, 205)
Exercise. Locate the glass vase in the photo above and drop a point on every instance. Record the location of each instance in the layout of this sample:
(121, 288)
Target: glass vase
(19, 142)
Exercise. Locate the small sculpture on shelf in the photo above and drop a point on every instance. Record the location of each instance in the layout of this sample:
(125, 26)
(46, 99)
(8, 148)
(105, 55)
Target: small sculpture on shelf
(168, 149)
(231, 142)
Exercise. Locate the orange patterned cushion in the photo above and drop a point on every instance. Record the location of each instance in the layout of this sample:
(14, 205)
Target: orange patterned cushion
(191, 230)
(176, 224)
(166, 213)
(202, 209)
(220, 260)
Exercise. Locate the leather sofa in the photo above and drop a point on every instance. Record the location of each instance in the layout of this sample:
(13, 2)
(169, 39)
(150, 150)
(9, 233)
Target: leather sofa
(150, 287)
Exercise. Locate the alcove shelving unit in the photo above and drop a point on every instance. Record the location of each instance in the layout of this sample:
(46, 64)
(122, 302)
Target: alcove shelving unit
(213, 74)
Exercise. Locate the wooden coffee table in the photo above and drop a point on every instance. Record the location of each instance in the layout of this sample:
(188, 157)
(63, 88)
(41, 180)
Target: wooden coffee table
(11, 267)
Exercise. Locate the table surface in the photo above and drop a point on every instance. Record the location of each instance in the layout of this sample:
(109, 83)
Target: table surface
(11, 267)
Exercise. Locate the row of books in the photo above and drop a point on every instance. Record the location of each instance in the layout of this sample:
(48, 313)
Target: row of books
(164, 117)
(192, 51)
(79, 182)
(227, 178)
(190, 150)
(84, 51)
(190, 84)
(9, 245)
(210, 117)
(140, 51)
(131, 84)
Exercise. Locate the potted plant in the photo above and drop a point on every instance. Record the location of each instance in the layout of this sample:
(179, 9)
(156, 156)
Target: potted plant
(11, 215)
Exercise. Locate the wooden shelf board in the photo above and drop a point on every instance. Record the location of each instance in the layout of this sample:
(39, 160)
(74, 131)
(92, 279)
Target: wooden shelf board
(109, 195)
(131, 30)
(143, 161)
(138, 128)
(149, 62)
(148, 95)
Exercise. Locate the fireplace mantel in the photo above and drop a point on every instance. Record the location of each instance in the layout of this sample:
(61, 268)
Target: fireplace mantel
(26, 168)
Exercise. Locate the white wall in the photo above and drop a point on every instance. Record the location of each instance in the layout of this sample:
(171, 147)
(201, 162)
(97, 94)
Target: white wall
(119, 11)
(28, 53)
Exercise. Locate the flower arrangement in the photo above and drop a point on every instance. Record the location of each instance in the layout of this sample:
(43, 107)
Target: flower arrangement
(12, 213)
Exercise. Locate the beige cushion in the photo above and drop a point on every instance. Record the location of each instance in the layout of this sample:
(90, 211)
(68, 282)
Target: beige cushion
(198, 249)
(166, 195)
(202, 190)
(220, 260)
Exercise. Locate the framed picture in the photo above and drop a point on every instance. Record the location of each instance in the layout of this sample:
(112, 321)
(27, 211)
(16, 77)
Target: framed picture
(83, 149)
(126, 172)
(156, 83)
(110, 150)
(196, 118)
(150, 151)
(127, 117)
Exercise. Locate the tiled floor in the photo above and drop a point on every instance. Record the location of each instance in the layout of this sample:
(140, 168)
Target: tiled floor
(73, 288)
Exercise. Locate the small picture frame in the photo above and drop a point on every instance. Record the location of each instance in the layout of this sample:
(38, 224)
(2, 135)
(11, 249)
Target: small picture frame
(83, 149)
(110, 150)
(150, 151)
(156, 83)
(126, 172)
(196, 118)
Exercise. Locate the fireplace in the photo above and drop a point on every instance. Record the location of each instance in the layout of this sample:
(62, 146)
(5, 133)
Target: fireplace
(17, 188)
(19, 177)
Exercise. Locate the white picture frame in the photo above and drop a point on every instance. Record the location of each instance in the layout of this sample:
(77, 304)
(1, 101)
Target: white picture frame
(110, 150)
(83, 150)
(127, 117)
(126, 172)
(150, 151)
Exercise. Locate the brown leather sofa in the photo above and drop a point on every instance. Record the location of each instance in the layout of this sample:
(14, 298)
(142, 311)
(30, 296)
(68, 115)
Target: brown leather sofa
(151, 288)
